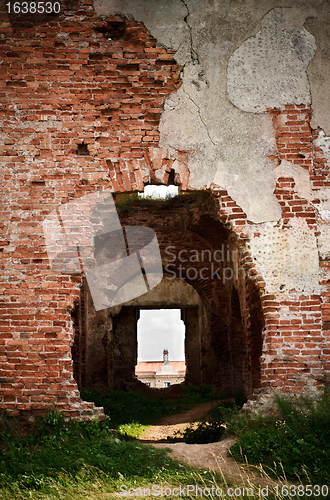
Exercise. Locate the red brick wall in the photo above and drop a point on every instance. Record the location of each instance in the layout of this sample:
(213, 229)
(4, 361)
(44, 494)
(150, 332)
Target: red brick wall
(64, 84)
(301, 334)
(65, 87)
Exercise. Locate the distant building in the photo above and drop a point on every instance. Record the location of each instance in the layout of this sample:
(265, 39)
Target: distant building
(159, 374)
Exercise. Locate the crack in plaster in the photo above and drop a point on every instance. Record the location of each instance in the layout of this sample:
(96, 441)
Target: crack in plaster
(227, 145)
(200, 115)
(193, 54)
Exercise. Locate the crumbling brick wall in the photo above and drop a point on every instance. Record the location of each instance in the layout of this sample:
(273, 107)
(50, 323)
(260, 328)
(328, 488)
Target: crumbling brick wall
(80, 113)
(296, 338)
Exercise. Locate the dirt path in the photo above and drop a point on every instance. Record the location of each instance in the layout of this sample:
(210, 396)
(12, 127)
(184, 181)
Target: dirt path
(173, 423)
(213, 456)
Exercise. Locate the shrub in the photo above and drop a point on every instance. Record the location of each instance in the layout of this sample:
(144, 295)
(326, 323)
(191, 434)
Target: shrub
(202, 432)
(211, 429)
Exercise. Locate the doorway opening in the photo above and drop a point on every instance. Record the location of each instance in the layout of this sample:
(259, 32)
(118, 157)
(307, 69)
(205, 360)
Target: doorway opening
(205, 281)
(160, 348)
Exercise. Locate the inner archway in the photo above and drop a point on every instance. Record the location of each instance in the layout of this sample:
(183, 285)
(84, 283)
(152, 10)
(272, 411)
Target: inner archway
(202, 277)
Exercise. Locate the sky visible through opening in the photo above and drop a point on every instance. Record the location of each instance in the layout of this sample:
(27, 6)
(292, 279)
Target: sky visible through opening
(160, 329)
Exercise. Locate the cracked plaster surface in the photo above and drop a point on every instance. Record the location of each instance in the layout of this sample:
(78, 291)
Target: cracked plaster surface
(228, 146)
(287, 257)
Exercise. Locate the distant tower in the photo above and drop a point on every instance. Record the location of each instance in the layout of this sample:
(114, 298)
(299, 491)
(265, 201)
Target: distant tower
(166, 368)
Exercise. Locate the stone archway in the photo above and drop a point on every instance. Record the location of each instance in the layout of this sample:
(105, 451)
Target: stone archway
(204, 278)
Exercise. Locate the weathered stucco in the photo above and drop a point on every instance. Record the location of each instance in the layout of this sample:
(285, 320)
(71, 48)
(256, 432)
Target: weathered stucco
(287, 257)
(252, 56)
(269, 70)
(319, 67)
(238, 62)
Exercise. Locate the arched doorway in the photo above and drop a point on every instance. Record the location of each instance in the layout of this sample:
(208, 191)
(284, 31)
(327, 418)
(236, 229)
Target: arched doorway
(204, 278)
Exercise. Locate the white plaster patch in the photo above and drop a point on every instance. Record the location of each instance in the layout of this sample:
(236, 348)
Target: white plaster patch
(325, 215)
(180, 125)
(286, 256)
(269, 69)
(323, 206)
(252, 188)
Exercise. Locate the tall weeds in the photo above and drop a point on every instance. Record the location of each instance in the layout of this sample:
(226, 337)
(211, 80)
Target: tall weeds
(297, 440)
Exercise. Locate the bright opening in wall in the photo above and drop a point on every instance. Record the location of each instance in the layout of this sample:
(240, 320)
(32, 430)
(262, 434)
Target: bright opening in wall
(159, 192)
(161, 352)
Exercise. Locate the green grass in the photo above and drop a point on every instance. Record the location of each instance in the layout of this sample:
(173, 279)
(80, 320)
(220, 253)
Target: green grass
(91, 460)
(125, 202)
(134, 430)
(297, 440)
(293, 442)
(57, 460)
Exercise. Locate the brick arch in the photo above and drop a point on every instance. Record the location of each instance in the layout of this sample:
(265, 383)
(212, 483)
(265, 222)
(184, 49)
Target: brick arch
(223, 322)
(91, 123)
